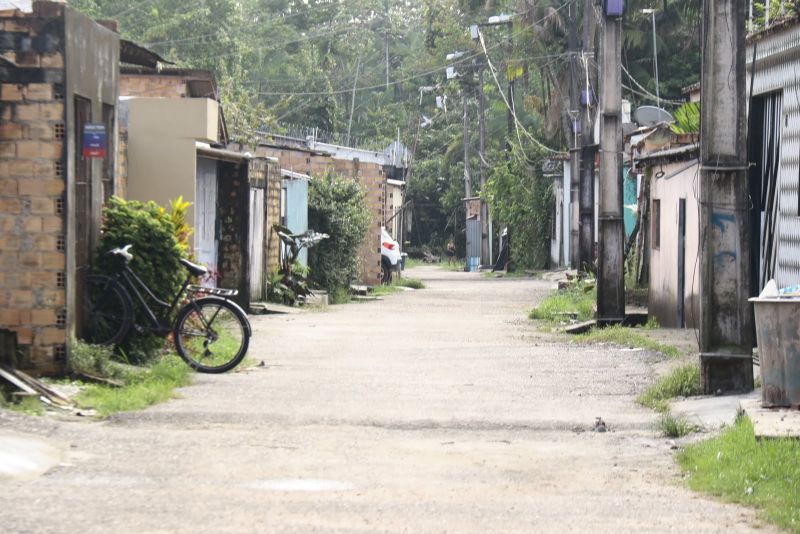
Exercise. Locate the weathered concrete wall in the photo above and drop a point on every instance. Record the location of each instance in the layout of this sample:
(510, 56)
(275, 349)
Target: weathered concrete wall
(664, 269)
(162, 155)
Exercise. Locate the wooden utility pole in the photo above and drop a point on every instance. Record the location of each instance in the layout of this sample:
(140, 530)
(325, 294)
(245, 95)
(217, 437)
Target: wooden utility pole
(726, 318)
(486, 253)
(588, 146)
(574, 150)
(610, 271)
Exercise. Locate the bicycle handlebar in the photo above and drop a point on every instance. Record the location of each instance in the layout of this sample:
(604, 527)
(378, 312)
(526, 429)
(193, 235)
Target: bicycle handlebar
(122, 252)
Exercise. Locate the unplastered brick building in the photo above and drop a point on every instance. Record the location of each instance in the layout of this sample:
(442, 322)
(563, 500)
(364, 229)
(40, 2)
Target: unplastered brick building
(58, 73)
(370, 168)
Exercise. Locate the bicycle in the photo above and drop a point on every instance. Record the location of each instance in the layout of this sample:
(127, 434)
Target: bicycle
(210, 331)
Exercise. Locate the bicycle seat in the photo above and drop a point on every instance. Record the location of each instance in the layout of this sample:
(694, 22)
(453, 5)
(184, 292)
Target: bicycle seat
(193, 268)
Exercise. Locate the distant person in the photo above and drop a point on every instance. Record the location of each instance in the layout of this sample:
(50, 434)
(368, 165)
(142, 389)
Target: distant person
(451, 251)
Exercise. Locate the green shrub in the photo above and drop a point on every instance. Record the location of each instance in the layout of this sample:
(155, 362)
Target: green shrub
(158, 246)
(336, 206)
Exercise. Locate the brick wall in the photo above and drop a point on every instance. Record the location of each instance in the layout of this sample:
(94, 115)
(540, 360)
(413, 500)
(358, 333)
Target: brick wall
(152, 86)
(232, 211)
(273, 213)
(370, 176)
(32, 186)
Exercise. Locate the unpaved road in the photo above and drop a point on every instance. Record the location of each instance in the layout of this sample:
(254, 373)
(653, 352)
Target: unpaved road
(440, 410)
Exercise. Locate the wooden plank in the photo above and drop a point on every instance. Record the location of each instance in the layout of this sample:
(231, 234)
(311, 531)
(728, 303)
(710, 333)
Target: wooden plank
(36, 386)
(581, 328)
(17, 382)
(772, 423)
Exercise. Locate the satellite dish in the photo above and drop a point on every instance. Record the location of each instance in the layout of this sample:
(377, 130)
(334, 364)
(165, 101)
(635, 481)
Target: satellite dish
(651, 115)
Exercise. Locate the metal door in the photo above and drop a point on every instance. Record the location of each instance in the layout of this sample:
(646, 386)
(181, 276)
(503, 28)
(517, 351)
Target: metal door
(206, 235)
(257, 216)
(297, 210)
(681, 262)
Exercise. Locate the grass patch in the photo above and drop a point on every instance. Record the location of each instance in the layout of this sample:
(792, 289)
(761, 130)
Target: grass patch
(26, 405)
(626, 337)
(155, 385)
(673, 426)
(413, 283)
(387, 289)
(383, 290)
(738, 468)
(573, 303)
(411, 263)
(683, 381)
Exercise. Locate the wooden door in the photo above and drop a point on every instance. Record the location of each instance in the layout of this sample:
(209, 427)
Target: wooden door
(257, 216)
(206, 234)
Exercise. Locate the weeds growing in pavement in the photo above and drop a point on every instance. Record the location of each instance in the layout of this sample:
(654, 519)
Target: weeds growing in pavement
(626, 337)
(576, 303)
(683, 381)
(675, 426)
(141, 389)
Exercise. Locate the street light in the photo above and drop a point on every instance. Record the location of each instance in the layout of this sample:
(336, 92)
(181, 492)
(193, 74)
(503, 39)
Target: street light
(652, 12)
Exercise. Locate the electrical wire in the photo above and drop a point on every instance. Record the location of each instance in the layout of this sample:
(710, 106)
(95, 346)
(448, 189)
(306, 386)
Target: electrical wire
(517, 123)
(648, 93)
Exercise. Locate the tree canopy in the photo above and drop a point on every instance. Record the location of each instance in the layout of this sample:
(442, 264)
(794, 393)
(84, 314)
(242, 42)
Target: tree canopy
(378, 67)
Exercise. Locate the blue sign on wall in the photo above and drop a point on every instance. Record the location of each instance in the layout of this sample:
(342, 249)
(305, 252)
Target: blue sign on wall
(95, 140)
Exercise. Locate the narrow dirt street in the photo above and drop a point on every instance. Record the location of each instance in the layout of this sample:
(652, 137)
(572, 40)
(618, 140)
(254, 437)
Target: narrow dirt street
(440, 410)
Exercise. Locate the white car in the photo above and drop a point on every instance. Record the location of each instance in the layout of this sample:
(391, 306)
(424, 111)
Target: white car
(392, 259)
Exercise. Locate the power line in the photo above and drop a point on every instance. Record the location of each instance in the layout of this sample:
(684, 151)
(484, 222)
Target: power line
(517, 123)
(132, 8)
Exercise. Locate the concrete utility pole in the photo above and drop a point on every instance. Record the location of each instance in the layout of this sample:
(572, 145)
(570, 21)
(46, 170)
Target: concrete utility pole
(467, 176)
(588, 146)
(726, 318)
(486, 253)
(574, 150)
(610, 272)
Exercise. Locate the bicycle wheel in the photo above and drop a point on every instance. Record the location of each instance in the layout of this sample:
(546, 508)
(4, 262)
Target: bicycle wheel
(107, 311)
(212, 335)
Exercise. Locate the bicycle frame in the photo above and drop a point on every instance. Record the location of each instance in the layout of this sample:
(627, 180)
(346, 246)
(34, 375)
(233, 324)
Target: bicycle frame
(158, 323)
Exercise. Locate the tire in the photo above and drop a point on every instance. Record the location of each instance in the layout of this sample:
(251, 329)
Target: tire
(212, 335)
(386, 272)
(107, 311)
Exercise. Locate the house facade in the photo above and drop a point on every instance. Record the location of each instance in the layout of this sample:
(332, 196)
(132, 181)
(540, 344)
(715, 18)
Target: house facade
(672, 234)
(370, 168)
(59, 75)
